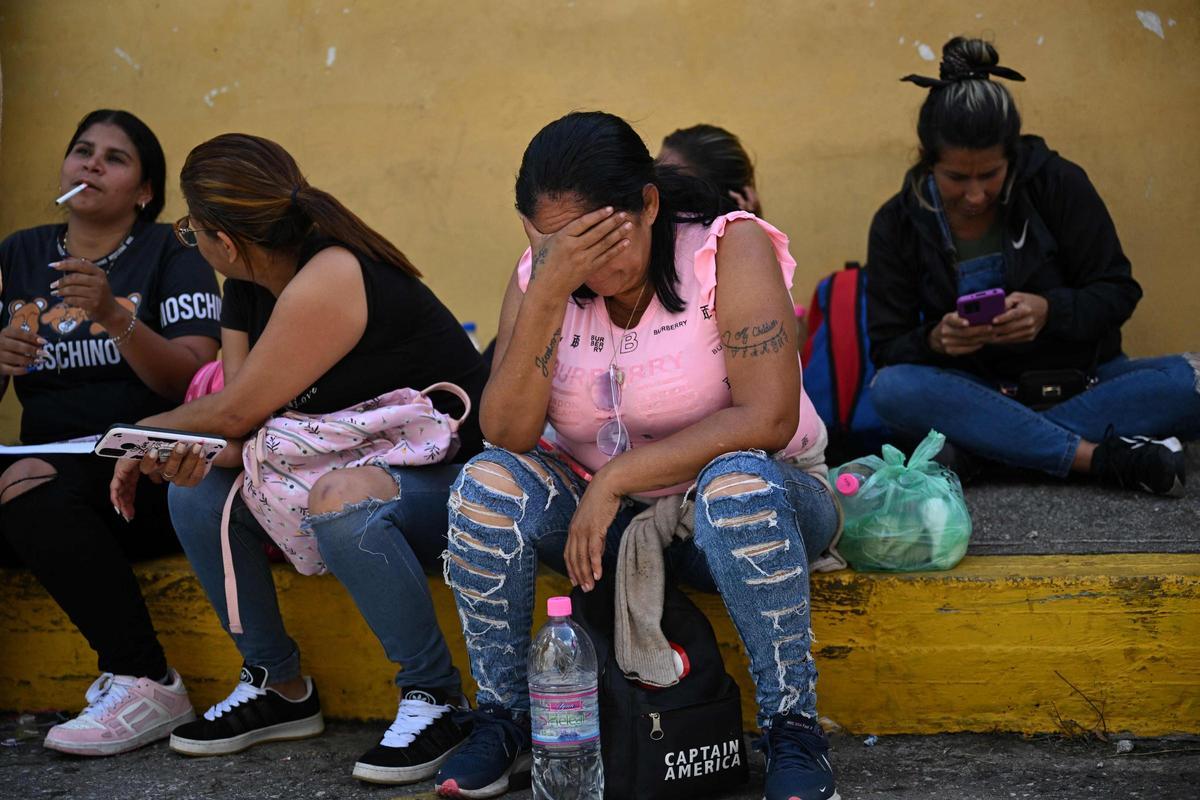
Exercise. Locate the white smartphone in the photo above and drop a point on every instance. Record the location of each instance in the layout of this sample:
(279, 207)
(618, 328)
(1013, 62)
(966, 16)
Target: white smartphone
(134, 441)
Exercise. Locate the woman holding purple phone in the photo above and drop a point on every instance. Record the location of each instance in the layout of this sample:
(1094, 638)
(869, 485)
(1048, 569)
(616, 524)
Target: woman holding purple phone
(997, 292)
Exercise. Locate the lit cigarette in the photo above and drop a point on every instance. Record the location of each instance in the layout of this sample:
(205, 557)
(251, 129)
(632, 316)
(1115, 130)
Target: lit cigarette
(70, 194)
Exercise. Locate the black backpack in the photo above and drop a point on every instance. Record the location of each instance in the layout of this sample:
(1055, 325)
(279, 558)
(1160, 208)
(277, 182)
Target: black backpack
(683, 741)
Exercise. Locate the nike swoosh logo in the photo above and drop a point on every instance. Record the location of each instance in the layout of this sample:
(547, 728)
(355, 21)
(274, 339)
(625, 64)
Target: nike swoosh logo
(1019, 243)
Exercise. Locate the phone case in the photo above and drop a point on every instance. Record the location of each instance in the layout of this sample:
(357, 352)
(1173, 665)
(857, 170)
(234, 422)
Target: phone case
(134, 441)
(982, 307)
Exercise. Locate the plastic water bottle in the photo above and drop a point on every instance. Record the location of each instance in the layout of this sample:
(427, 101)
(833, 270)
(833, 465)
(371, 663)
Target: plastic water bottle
(469, 327)
(564, 710)
(849, 481)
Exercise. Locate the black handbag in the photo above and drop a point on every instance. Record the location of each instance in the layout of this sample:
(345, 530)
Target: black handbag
(684, 741)
(1044, 388)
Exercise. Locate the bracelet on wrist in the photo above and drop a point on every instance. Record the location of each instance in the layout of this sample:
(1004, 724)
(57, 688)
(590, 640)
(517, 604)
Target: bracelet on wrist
(123, 337)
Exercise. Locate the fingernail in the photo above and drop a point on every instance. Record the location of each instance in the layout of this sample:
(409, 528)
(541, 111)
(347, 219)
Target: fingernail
(180, 447)
(118, 511)
(40, 340)
(196, 449)
(55, 284)
(54, 264)
(608, 209)
(54, 293)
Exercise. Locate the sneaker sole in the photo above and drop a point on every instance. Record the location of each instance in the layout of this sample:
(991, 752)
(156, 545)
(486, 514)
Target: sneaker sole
(149, 736)
(373, 773)
(522, 763)
(282, 732)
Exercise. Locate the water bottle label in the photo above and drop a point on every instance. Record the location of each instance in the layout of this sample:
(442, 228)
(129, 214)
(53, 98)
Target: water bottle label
(565, 720)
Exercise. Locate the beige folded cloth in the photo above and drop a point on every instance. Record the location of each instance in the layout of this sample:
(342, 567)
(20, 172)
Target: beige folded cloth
(641, 649)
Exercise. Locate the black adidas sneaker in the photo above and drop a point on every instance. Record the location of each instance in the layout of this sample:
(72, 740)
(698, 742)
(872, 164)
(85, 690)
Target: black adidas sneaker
(251, 715)
(1157, 466)
(422, 737)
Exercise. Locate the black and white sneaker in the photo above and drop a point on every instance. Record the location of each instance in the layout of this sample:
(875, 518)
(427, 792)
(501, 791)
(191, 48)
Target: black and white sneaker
(424, 735)
(251, 715)
(1157, 466)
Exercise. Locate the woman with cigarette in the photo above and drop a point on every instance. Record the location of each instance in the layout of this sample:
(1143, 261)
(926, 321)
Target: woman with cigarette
(105, 319)
(321, 313)
(997, 292)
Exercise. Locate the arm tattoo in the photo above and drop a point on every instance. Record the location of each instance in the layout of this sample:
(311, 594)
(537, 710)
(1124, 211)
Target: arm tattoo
(543, 361)
(756, 340)
(539, 258)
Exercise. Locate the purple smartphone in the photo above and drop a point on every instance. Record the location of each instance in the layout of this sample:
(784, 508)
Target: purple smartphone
(982, 307)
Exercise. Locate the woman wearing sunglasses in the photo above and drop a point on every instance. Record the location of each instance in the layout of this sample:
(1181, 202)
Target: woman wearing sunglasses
(321, 313)
(105, 319)
(656, 336)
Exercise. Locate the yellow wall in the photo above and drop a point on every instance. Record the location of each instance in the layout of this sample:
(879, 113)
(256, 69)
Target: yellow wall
(419, 117)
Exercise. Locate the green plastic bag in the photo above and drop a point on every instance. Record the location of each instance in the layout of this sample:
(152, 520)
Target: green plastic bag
(902, 518)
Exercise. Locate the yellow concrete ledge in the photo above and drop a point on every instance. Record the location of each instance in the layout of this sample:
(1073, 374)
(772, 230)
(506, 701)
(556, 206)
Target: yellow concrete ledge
(988, 646)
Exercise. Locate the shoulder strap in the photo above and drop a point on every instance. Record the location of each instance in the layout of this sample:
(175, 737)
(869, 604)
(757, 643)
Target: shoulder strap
(845, 349)
(231, 597)
(456, 390)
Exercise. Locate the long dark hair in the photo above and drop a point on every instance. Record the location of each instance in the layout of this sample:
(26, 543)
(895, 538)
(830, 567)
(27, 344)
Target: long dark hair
(252, 190)
(717, 156)
(965, 108)
(149, 151)
(599, 158)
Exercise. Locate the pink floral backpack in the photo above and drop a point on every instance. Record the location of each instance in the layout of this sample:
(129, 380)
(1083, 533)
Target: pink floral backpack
(291, 451)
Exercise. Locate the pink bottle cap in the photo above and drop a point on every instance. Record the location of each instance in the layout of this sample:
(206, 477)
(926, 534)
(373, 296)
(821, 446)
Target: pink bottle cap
(848, 483)
(559, 606)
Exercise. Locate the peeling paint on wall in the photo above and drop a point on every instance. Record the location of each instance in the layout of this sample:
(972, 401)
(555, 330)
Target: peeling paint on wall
(1151, 22)
(128, 59)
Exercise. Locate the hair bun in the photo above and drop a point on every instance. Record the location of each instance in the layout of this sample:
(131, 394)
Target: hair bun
(964, 58)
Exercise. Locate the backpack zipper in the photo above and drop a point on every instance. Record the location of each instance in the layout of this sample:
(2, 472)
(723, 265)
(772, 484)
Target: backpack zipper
(656, 731)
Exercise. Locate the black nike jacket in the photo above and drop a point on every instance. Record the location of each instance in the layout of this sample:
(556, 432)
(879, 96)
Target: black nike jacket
(1059, 242)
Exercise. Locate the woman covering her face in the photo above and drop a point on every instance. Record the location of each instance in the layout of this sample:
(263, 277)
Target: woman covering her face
(997, 290)
(654, 334)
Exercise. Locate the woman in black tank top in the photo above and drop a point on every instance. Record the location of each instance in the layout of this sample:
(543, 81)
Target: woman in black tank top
(321, 313)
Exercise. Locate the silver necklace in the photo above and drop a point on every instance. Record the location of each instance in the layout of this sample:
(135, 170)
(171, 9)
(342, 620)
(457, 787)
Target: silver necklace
(618, 373)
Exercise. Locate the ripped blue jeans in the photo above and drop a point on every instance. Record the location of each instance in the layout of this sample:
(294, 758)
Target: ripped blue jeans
(377, 549)
(758, 524)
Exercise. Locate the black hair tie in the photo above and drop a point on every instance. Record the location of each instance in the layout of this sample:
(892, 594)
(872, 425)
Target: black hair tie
(295, 193)
(976, 74)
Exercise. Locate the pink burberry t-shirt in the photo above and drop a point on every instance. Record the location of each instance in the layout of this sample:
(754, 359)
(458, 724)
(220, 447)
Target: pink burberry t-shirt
(674, 364)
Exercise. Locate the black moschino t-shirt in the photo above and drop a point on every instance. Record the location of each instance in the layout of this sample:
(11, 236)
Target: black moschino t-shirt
(411, 341)
(83, 385)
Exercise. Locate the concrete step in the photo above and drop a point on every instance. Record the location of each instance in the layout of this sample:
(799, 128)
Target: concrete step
(1001, 643)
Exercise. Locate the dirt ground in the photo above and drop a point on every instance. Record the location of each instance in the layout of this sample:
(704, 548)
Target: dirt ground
(944, 767)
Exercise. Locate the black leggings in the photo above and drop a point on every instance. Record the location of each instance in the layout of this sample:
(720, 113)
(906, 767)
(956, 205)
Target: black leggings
(67, 533)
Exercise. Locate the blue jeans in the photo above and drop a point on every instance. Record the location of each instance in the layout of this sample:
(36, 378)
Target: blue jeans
(375, 548)
(1156, 397)
(758, 524)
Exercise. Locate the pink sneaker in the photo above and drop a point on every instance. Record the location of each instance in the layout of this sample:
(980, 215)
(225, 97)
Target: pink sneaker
(123, 713)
